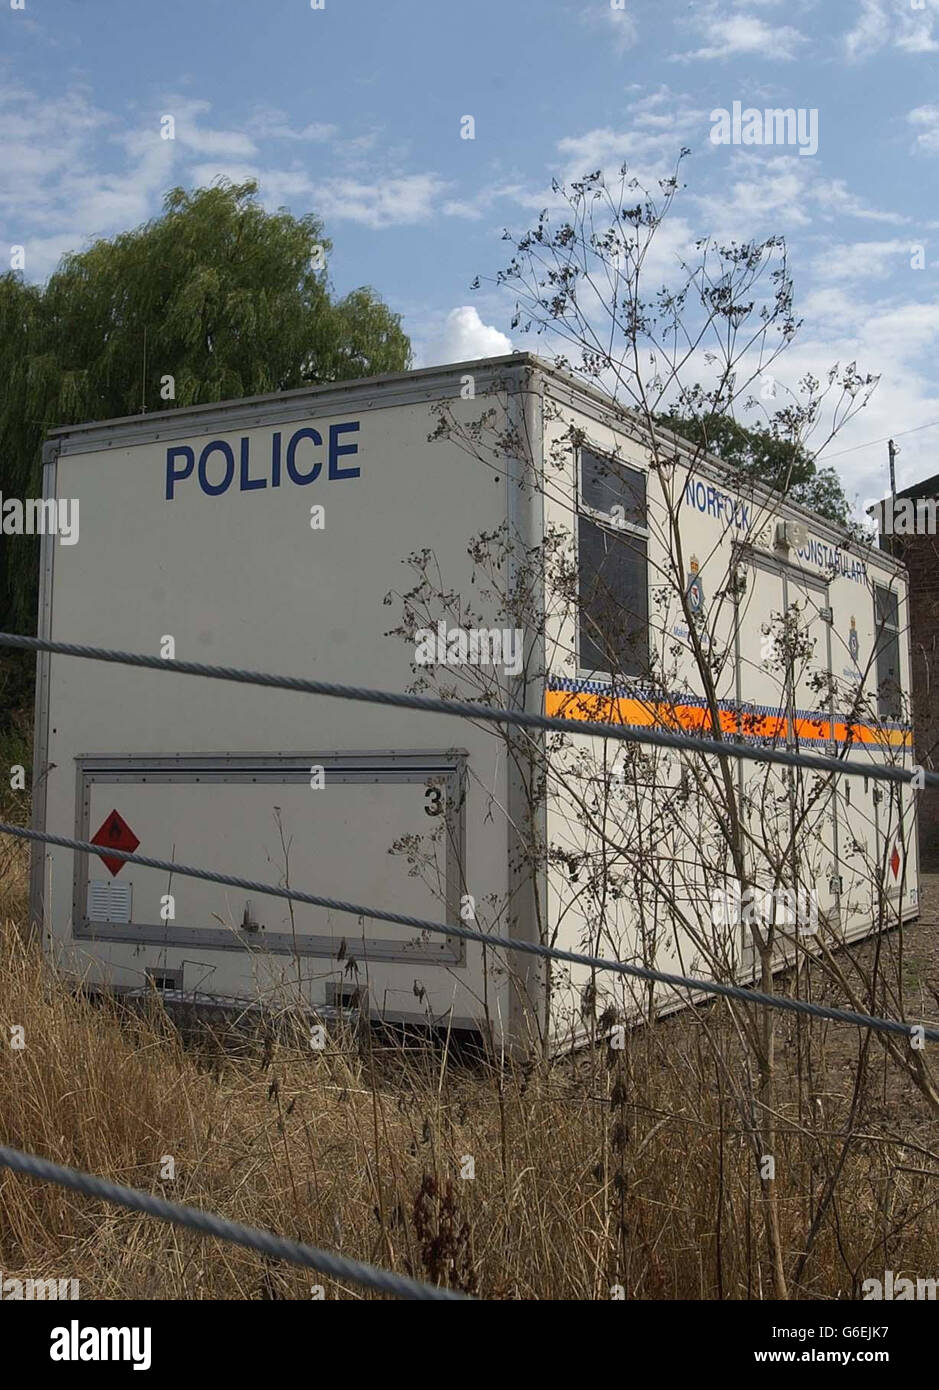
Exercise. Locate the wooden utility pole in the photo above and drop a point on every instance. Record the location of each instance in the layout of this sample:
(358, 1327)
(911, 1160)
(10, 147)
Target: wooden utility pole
(893, 451)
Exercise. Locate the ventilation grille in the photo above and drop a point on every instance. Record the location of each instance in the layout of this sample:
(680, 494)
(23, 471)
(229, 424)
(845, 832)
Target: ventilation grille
(108, 901)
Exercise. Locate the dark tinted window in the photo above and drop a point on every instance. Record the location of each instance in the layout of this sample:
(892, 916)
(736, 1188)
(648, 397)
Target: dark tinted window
(886, 607)
(614, 600)
(605, 484)
(887, 653)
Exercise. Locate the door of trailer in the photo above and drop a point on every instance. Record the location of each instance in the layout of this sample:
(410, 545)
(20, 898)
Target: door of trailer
(783, 657)
(812, 728)
(894, 803)
(383, 830)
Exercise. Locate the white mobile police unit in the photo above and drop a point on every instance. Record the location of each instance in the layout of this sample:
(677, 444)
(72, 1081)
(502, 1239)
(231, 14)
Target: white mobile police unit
(274, 534)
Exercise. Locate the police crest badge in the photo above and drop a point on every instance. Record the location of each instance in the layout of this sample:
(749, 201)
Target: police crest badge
(853, 646)
(694, 589)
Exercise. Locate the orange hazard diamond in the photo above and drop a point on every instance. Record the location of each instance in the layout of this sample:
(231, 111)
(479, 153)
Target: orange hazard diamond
(115, 833)
(895, 862)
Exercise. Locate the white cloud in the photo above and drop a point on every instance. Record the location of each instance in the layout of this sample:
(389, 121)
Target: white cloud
(894, 22)
(918, 40)
(731, 35)
(862, 260)
(625, 29)
(897, 341)
(789, 191)
(871, 30)
(833, 198)
(759, 190)
(219, 143)
(189, 134)
(835, 306)
(659, 125)
(464, 337)
(59, 191)
(268, 123)
(71, 172)
(925, 119)
(383, 202)
(482, 200)
(619, 26)
(54, 196)
(916, 28)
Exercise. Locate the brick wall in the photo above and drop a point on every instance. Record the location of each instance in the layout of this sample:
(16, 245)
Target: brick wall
(921, 556)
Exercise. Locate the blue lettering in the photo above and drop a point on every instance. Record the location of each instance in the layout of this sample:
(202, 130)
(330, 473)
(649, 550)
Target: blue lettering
(275, 459)
(722, 505)
(181, 461)
(291, 452)
(215, 489)
(248, 484)
(173, 476)
(336, 450)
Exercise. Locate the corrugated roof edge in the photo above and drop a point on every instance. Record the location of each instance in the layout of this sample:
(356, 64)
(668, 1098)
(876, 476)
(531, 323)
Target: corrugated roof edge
(713, 466)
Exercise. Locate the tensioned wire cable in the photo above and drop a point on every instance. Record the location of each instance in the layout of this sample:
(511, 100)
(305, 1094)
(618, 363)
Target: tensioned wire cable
(266, 1242)
(211, 1224)
(461, 933)
(465, 709)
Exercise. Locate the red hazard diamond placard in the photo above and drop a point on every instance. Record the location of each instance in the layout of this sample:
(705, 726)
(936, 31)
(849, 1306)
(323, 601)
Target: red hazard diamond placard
(116, 833)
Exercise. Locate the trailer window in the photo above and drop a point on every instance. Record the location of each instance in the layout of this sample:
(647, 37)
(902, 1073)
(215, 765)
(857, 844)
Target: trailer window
(613, 568)
(611, 487)
(887, 652)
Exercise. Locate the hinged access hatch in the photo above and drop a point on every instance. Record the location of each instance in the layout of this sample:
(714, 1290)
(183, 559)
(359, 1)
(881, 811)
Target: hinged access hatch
(389, 826)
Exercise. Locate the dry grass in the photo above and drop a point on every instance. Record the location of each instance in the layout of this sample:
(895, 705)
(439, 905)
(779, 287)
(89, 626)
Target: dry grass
(620, 1168)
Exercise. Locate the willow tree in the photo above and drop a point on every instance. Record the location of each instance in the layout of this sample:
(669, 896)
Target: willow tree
(214, 299)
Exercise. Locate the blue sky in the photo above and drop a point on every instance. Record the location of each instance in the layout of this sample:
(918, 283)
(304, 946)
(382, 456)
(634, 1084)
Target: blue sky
(353, 111)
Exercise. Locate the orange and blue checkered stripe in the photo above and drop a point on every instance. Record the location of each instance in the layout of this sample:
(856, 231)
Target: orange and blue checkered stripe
(598, 702)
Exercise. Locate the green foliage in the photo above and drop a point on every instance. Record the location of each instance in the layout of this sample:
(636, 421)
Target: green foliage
(225, 298)
(768, 457)
(16, 750)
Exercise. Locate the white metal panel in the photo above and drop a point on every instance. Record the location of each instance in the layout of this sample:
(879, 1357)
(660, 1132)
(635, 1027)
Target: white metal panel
(241, 578)
(812, 576)
(272, 826)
